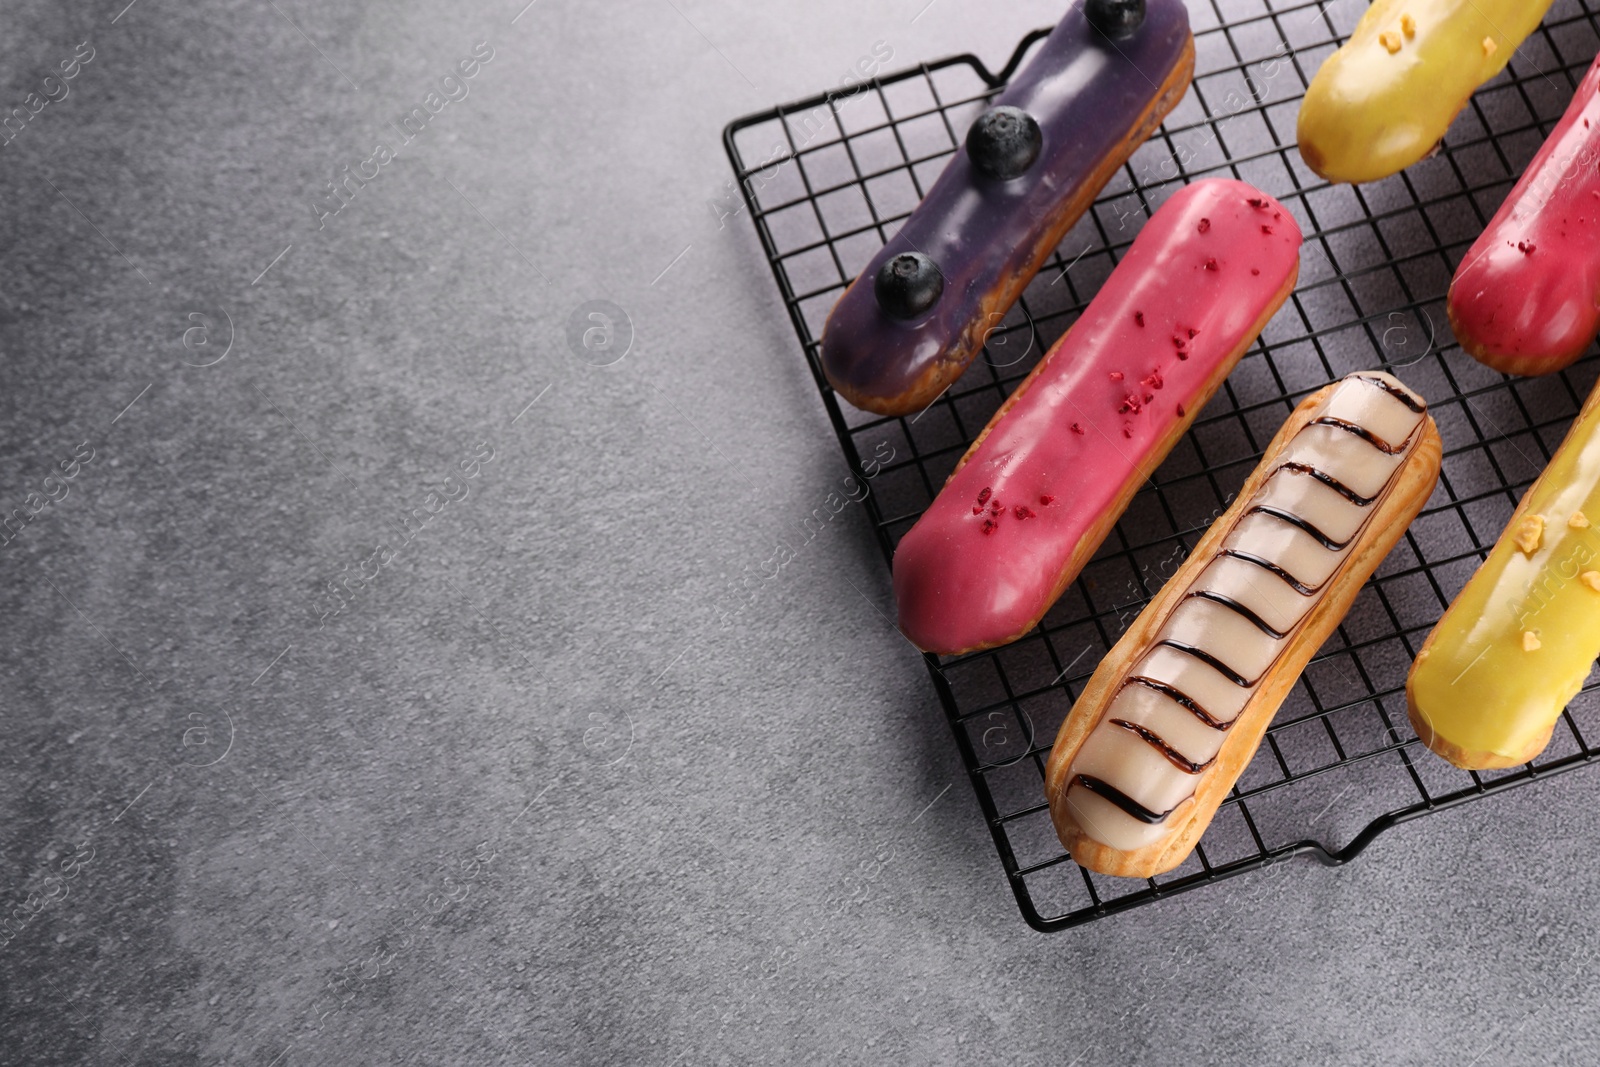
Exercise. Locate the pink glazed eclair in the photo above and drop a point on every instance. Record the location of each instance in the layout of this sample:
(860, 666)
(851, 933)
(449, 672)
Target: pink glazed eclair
(1056, 466)
(1526, 298)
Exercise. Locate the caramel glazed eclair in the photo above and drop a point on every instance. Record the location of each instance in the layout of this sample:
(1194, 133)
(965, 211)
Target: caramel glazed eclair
(1174, 713)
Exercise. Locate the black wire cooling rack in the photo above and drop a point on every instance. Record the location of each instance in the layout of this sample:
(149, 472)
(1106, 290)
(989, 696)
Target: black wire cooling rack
(826, 180)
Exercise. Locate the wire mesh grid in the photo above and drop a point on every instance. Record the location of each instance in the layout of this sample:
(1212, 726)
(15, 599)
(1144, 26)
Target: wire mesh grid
(828, 179)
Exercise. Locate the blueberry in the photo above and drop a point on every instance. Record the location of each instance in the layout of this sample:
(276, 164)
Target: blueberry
(1004, 142)
(908, 285)
(1115, 18)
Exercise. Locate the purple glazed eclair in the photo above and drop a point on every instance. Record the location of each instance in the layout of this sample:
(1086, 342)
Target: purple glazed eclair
(1032, 164)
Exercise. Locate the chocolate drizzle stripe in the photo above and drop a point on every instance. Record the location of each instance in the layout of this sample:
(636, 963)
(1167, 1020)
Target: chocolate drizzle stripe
(1159, 743)
(1211, 661)
(1330, 481)
(1402, 395)
(1294, 520)
(1183, 700)
(1123, 800)
(1267, 565)
(1362, 432)
(1233, 605)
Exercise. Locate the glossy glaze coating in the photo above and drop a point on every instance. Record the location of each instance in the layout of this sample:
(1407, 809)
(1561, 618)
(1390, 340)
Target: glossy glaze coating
(1526, 299)
(1166, 725)
(1483, 694)
(1091, 98)
(1384, 100)
(996, 547)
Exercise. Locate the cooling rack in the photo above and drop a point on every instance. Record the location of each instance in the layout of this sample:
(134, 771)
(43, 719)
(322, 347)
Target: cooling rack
(826, 180)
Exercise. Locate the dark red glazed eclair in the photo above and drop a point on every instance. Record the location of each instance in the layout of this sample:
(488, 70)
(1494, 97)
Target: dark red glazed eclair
(1526, 299)
(1043, 484)
(1031, 166)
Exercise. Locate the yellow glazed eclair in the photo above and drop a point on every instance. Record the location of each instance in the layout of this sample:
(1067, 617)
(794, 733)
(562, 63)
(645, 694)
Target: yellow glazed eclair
(1515, 647)
(1384, 100)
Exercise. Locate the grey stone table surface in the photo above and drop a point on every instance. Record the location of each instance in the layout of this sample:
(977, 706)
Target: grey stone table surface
(519, 797)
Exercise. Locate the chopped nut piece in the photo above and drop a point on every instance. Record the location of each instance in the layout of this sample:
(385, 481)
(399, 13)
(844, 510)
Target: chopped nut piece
(1489, 47)
(1391, 41)
(1579, 521)
(1530, 534)
(1408, 25)
(1530, 641)
(1591, 579)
